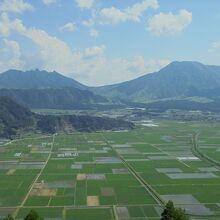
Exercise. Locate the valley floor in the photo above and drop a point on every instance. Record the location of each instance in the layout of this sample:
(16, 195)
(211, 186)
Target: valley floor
(126, 175)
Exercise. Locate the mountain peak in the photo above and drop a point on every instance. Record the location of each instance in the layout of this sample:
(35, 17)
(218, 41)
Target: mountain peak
(184, 64)
(38, 79)
(31, 71)
(185, 68)
(174, 80)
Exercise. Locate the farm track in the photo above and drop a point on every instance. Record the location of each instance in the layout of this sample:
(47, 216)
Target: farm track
(76, 206)
(148, 188)
(36, 179)
(198, 153)
(23, 139)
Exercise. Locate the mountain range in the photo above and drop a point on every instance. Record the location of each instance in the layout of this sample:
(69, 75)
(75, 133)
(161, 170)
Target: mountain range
(177, 81)
(42, 89)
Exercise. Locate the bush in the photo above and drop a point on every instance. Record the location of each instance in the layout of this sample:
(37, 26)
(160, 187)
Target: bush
(172, 213)
(33, 215)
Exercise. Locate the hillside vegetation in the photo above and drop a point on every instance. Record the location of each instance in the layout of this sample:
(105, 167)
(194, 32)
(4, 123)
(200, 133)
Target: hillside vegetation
(61, 98)
(15, 118)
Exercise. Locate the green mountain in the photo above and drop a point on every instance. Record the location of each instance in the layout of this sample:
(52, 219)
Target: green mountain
(186, 81)
(175, 80)
(60, 98)
(42, 89)
(15, 119)
(15, 79)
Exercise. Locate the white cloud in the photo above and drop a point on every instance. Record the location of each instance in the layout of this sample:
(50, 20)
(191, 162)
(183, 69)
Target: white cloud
(215, 46)
(89, 23)
(15, 6)
(113, 15)
(169, 24)
(137, 10)
(101, 70)
(49, 2)
(90, 66)
(134, 13)
(163, 62)
(143, 66)
(7, 26)
(94, 33)
(71, 27)
(10, 56)
(85, 4)
(94, 51)
(54, 53)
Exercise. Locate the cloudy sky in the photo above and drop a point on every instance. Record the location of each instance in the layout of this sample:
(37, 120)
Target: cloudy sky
(101, 42)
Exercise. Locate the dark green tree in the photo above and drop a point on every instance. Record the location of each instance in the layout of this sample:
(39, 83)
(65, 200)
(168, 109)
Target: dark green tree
(168, 212)
(33, 215)
(180, 214)
(9, 217)
(172, 213)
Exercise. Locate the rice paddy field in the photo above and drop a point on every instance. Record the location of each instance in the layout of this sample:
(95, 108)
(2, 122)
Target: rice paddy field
(117, 175)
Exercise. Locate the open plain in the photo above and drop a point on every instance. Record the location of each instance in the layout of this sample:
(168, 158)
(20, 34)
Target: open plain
(115, 175)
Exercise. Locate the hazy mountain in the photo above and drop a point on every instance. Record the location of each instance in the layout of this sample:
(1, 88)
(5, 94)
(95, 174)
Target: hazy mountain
(62, 98)
(174, 80)
(15, 79)
(178, 80)
(42, 89)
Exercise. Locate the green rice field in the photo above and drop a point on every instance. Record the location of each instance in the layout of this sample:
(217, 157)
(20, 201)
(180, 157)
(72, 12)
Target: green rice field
(114, 175)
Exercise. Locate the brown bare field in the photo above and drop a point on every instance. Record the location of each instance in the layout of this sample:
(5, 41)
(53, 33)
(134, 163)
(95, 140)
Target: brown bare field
(11, 172)
(81, 176)
(43, 192)
(92, 201)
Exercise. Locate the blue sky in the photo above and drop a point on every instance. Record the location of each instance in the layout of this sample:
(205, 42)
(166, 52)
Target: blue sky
(101, 42)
